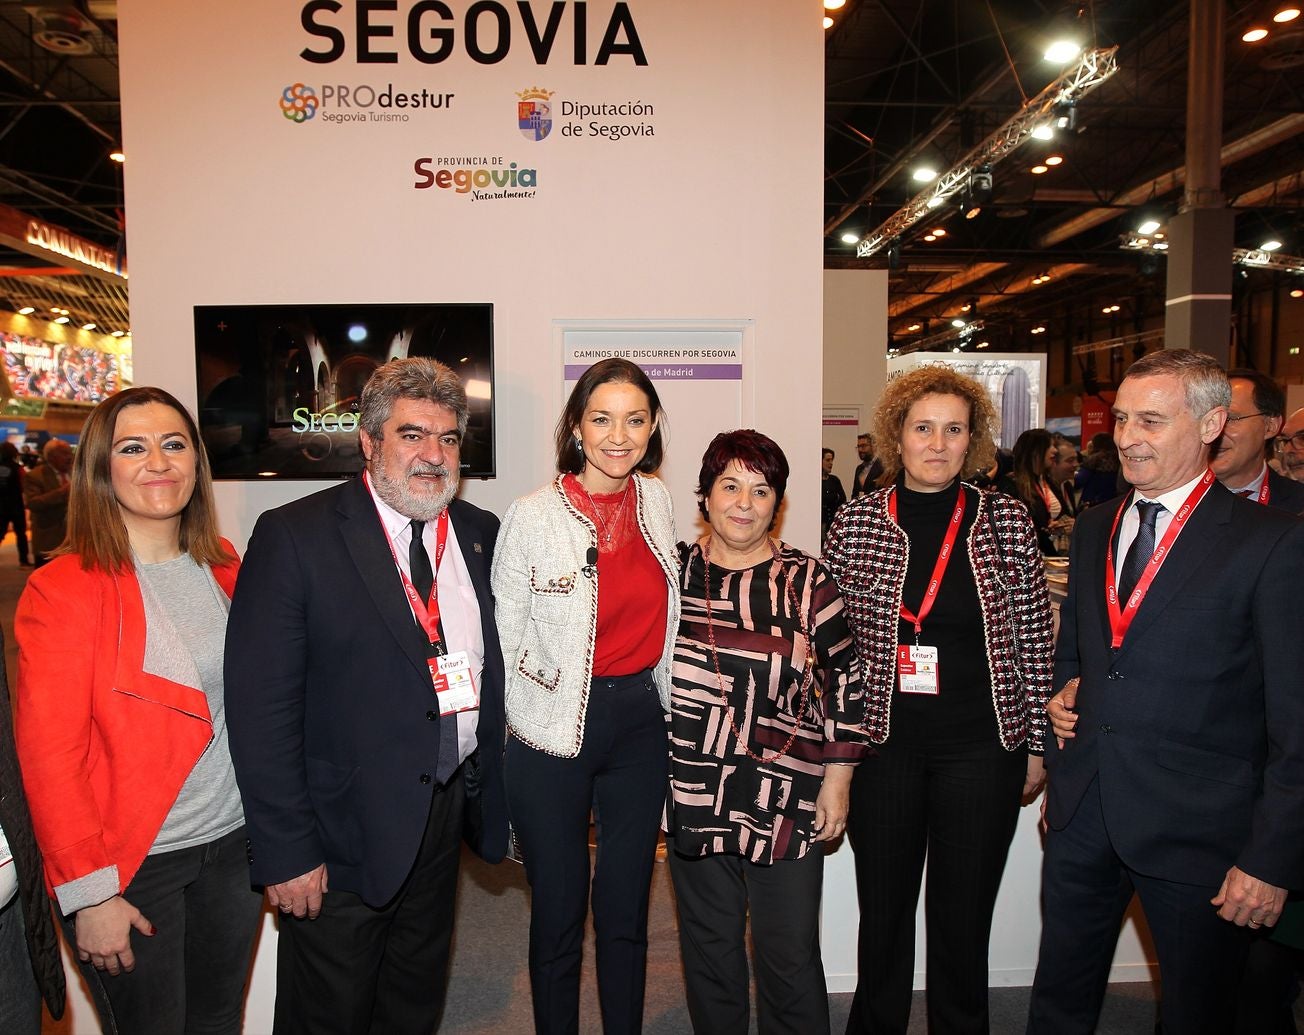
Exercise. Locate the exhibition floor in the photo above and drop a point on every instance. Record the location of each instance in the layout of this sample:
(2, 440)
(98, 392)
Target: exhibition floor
(489, 985)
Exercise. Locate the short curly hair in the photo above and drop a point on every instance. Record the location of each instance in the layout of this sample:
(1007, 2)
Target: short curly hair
(903, 392)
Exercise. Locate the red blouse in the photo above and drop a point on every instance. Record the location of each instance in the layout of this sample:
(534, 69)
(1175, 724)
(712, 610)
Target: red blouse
(632, 605)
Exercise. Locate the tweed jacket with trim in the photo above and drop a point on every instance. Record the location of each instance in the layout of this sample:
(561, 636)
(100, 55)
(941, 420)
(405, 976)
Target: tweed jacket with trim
(867, 552)
(547, 609)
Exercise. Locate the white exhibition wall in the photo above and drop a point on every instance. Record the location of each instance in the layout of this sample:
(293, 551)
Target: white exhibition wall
(693, 206)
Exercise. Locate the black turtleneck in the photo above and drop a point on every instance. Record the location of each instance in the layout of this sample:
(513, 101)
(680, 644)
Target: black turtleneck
(962, 712)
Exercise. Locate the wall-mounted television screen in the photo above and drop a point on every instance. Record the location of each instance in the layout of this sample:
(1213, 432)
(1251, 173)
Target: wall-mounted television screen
(280, 385)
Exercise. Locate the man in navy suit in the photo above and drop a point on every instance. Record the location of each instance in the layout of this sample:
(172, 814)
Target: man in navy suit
(1182, 776)
(363, 672)
(1256, 414)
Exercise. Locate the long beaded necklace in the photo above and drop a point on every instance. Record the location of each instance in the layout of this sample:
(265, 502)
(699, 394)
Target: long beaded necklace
(807, 676)
(606, 531)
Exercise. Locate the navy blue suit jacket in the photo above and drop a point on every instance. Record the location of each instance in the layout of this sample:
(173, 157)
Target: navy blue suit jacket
(330, 712)
(1195, 727)
(1285, 494)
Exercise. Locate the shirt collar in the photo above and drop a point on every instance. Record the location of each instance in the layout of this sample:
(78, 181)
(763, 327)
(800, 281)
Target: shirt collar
(1173, 499)
(1254, 486)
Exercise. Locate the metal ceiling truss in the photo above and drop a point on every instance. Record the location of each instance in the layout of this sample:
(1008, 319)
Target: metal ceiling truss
(1092, 68)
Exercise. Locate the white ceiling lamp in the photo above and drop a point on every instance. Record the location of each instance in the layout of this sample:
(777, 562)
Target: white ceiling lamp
(1062, 51)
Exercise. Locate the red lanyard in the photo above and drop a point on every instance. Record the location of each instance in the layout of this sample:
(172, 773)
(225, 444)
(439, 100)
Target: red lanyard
(427, 613)
(1265, 492)
(939, 569)
(1120, 620)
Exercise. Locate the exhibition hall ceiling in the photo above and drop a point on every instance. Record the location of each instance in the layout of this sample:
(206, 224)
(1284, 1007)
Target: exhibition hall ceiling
(908, 83)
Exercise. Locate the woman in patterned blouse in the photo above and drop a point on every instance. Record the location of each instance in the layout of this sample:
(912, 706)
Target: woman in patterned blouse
(946, 595)
(766, 727)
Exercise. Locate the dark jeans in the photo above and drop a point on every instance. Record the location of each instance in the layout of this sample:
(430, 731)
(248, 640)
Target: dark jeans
(20, 998)
(715, 895)
(621, 774)
(189, 977)
(958, 806)
(384, 970)
(1084, 890)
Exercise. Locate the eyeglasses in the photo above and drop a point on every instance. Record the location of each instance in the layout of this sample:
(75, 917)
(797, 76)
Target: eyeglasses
(1282, 441)
(1232, 418)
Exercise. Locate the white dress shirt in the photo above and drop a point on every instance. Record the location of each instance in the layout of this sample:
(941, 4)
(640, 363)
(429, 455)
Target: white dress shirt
(1172, 502)
(459, 607)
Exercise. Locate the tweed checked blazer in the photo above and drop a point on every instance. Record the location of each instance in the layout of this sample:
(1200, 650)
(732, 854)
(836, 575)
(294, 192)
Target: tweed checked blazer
(867, 553)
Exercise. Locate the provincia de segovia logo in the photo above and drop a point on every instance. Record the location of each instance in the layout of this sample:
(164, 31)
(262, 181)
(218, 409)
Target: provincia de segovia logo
(344, 104)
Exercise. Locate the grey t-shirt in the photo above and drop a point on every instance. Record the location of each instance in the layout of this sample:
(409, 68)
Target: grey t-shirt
(185, 622)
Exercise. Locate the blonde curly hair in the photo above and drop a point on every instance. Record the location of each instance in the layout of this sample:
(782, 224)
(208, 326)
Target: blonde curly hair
(903, 392)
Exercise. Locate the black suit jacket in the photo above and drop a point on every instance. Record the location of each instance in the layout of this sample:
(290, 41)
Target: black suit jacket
(16, 821)
(331, 717)
(1284, 493)
(1195, 726)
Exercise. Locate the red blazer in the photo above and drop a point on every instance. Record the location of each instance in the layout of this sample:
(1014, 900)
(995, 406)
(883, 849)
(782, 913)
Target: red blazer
(104, 746)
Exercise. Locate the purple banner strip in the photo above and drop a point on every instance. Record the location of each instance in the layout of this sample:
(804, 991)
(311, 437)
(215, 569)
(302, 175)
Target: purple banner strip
(674, 371)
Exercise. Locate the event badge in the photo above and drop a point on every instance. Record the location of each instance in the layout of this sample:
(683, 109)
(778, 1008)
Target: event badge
(917, 669)
(454, 686)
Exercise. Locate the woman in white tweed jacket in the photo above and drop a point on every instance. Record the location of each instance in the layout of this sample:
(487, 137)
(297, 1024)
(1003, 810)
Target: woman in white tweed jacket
(946, 596)
(585, 583)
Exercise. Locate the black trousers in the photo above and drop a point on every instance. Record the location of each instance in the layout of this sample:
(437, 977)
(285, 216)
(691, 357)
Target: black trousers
(621, 775)
(956, 806)
(1085, 888)
(360, 969)
(715, 895)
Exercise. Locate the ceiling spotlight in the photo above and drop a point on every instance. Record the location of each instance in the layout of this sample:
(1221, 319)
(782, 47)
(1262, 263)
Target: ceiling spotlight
(1297, 293)
(117, 156)
(833, 5)
(924, 174)
(1053, 159)
(957, 322)
(1254, 35)
(1061, 52)
(956, 350)
(828, 22)
(938, 231)
(1066, 115)
(1161, 246)
(966, 307)
(61, 319)
(118, 334)
(850, 238)
(1148, 226)
(1286, 14)
(1039, 329)
(973, 212)
(1270, 245)
(27, 310)
(1037, 170)
(934, 202)
(982, 345)
(915, 327)
(88, 327)
(930, 238)
(1043, 132)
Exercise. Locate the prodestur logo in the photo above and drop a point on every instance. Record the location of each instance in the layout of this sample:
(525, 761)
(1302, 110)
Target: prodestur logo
(299, 103)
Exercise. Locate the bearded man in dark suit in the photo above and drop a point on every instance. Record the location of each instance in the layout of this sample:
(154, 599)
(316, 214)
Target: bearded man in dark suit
(363, 672)
(1181, 778)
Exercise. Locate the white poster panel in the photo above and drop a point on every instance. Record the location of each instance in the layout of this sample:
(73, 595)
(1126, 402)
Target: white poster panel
(560, 160)
(1015, 381)
(698, 375)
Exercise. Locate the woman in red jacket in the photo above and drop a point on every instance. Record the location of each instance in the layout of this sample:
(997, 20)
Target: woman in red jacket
(121, 733)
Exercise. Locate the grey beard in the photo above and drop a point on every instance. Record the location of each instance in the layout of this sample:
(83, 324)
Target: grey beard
(395, 492)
